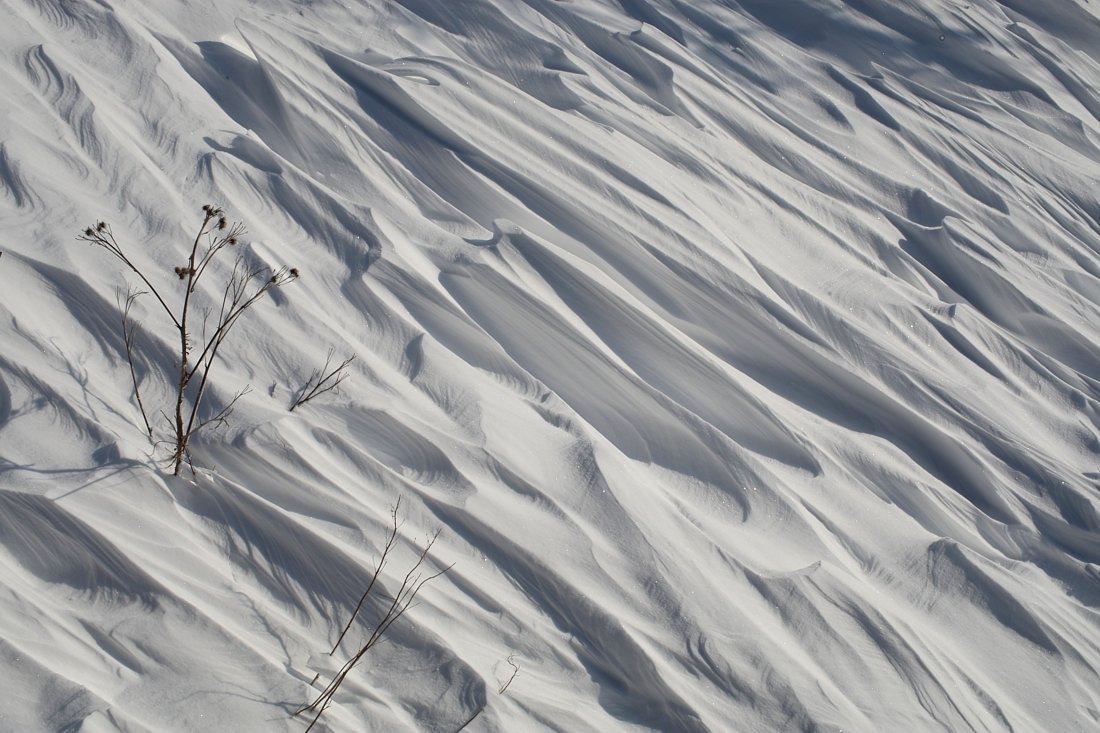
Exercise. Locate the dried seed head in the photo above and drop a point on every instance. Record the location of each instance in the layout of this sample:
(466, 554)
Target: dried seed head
(222, 223)
(181, 272)
(207, 208)
(294, 272)
(231, 240)
(101, 226)
(89, 232)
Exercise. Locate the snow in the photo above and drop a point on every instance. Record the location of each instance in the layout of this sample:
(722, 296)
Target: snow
(745, 355)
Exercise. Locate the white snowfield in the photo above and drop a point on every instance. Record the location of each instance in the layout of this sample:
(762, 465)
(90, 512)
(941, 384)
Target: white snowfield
(745, 354)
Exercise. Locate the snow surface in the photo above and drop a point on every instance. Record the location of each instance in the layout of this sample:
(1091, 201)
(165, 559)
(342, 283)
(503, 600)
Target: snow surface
(746, 355)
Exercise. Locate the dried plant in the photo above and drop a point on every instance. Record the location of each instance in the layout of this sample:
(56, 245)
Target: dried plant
(413, 582)
(244, 286)
(322, 380)
(129, 337)
(500, 691)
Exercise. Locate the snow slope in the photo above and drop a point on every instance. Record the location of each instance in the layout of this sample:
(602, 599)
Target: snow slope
(746, 355)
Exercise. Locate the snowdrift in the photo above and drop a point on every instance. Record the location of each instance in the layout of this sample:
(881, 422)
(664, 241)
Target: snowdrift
(745, 355)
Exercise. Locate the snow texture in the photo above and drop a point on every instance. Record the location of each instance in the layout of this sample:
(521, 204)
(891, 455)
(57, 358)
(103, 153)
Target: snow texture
(745, 354)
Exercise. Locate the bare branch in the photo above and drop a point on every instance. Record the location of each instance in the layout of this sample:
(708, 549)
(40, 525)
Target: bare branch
(102, 236)
(411, 585)
(323, 380)
(129, 334)
(381, 564)
(223, 414)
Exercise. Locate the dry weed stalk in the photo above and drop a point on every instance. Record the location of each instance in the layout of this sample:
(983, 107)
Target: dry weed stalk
(129, 337)
(243, 288)
(322, 380)
(413, 582)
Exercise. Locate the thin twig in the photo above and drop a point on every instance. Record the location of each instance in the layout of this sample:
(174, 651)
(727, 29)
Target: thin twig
(129, 335)
(323, 380)
(503, 688)
(223, 414)
(381, 564)
(515, 670)
(102, 236)
(413, 582)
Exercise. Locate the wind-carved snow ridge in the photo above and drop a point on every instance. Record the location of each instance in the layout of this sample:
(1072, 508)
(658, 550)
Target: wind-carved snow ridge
(746, 356)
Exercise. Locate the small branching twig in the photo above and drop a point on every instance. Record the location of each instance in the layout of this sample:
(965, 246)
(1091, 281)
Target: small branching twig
(244, 287)
(322, 380)
(102, 236)
(129, 335)
(411, 585)
(370, 586)
(500, 691)
(221, 418)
